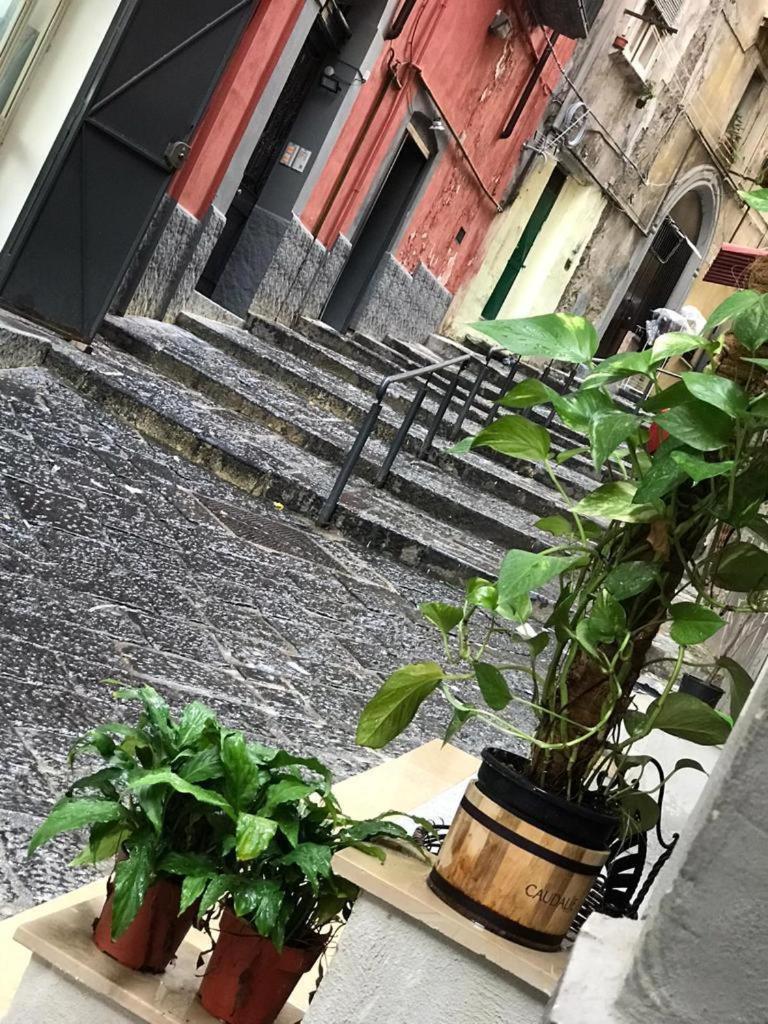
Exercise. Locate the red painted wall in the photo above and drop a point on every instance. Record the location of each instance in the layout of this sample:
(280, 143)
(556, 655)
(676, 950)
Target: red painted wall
(233, 103)
(476, 78)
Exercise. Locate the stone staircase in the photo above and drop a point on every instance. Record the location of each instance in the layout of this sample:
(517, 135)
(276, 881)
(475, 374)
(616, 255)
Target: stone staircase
(275, 411)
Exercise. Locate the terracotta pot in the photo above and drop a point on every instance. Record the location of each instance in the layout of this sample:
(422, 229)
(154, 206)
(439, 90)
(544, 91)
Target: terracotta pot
(152, 939)
(247, 981)
(620, 43)
(518, 860)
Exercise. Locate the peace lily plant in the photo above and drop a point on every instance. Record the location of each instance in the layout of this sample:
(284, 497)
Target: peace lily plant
(668, 540)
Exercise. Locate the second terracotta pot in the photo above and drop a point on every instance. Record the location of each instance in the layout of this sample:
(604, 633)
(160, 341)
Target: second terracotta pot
(247, 981)
(152, 939)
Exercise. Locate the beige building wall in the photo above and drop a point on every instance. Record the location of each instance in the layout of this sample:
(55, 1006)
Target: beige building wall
(49, 94)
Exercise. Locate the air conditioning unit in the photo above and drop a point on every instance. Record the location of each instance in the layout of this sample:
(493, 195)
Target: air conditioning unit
(572, 18)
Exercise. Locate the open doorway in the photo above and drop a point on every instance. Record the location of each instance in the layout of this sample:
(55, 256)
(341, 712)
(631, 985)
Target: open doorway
(657, 277)
(385, 216)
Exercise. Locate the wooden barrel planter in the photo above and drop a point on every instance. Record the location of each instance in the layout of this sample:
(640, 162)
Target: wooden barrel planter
(518, 860)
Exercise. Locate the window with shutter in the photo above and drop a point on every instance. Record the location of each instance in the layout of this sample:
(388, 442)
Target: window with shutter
(668, 11)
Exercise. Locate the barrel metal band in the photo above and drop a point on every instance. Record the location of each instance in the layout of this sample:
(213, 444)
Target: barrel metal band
(560, 861)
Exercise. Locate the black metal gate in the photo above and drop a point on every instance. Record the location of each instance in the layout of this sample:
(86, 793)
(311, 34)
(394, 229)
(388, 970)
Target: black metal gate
(93, 202)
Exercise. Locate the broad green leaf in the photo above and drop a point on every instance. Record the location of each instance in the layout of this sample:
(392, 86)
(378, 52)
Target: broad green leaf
(537, 644)
(762, 363)
(558, 526)
(217, 887)
(459, 719)
(619, 367)
(741, 684)
(571, 453)
(202, 766)
(757, 199)
(685, 716)
(641, 809)
(371, 828)
(616, 500)
(445, 616)
(676, 344)
(259, 900)
(133, 877)
(192, 889)
(313, 860)
(70, 814)
(751, 326)
(161, 776)
(733, 306)
(287, 791)
(253, 836)
(481, 593)
(699, 469)
(750, 492)
(628, 579)
(524, 571)
(667, 398)
(104, 842)
(514, 436)
(579, 409)
(183, 864)
(528, 393)
(720, 392)
(393, 708)
(243, 773)
(155, 708)
(194, 721)
(607, 431)
(664, 475)
(607, 621)
(289, 825)
(635, 722)
(563, 336)
(698, 424)
(759, 406)
(152, 800)
(493, 686)
(742, 567)
(693, 624)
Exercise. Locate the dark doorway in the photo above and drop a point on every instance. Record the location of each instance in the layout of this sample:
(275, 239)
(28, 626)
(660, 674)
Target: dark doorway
(110, 168)
(658, 274)
(378, 232)
(517, 260)
(317, 51)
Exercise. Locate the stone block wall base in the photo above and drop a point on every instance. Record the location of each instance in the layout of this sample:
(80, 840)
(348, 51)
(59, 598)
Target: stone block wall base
(390, 968)
(404, 305)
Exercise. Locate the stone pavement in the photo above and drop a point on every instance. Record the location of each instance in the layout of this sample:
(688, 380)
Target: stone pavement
(120, 559)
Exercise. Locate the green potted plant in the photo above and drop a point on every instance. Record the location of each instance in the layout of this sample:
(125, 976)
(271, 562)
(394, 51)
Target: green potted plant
(669, 539)
(152, 805)
(282, 900)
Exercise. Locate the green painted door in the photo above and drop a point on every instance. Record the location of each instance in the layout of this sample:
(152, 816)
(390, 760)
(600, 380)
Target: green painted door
(517, 260)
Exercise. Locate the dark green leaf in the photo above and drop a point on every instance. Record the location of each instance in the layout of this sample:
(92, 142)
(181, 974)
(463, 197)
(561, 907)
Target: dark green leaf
(528, 393)
(192, 889)
(458, 720)
(741, 567)
(667, 398)
(749, 493)
(514, 436)
(578, 410)
(664, 475)
(751, 326)
(70, 814)
(287, 791)
(142, 778)
(641, 809)
(132, 879)
(371, 828)
(183, 864)
(741, 684)
(731, 307)
(396, 703)
(697, 424)
(194, 721)
(445, 616)
(685, 716)
(242, 771)
(259, 900)
(525, 571)
(537, 644)
(693, 624)
(720, 392)
(551, 336)
(699, 469)
(616, 500)
(254, 834)
(628, 579)
(217, 887)
(289, 825)
(607, 620)
(619, 367)
(202, 766)
(105, 840)
(493, 686)
(152, 800)
(313, 860)
(607, 431)
(635, 722)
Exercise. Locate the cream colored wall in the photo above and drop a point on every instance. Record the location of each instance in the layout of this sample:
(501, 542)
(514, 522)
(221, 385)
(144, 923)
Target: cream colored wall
(550, 264)
(51, 90)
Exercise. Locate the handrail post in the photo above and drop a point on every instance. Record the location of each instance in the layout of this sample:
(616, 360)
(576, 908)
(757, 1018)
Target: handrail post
(513, 368)
(402, 432)
(437, 419)
(365, 431)
(568, 381)
(456, 428)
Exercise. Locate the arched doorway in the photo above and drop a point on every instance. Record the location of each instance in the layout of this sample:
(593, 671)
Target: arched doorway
(663, 276)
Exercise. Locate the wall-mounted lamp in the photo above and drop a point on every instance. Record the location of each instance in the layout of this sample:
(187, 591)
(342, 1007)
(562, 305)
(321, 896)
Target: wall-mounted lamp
(329, 80)
(438, 125)
(501, 26)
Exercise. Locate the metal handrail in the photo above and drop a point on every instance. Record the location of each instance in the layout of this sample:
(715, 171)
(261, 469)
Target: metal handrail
(371, 418)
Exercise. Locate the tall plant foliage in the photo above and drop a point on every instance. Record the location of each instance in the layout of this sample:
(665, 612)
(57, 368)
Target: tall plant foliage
(667, 539)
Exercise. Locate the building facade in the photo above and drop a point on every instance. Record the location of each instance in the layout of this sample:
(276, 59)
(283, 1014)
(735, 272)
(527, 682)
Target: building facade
(630, 188)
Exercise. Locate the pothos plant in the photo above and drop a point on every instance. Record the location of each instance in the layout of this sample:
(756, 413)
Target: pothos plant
(668, 540)
(193, 801)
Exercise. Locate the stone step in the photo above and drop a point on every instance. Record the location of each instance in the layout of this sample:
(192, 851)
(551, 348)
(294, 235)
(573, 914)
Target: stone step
(505, 514)
(265, 464)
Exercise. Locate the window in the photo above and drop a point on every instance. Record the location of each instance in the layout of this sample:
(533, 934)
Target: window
(644, 48)
(24, 27)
